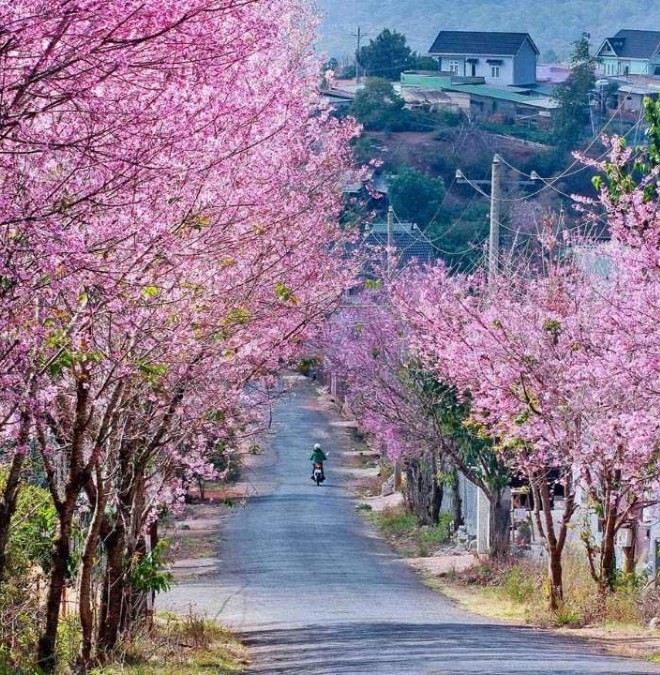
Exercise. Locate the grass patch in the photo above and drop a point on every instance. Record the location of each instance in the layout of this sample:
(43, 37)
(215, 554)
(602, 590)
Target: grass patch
(175, 645)
(411, 540)
(487, 602)
(518, 589)
(172, 646)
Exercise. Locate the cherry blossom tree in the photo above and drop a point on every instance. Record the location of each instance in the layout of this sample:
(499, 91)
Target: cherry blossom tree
(167, 234)
(562, 368)
(411, 415)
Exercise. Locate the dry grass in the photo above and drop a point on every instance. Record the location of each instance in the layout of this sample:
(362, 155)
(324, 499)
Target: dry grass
(177, 645)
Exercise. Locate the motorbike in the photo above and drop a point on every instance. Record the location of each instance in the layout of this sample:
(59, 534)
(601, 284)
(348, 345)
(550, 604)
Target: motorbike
(318, 473)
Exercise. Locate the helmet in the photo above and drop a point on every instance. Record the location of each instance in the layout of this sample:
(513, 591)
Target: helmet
(317, 446)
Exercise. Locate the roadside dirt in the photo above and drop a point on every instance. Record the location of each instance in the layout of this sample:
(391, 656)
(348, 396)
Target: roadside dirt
(195, 534)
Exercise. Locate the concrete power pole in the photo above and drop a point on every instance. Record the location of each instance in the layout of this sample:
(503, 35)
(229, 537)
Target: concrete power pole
(390, 237)
(483, 504)
(495, 183)
(359, 35)
(495, 219)
(390, 255)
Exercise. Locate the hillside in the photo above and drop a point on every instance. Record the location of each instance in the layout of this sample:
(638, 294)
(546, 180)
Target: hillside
(553, 25)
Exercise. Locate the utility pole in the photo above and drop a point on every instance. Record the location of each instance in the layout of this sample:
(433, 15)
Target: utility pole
(483, 504)
(390, 238)
(390, 256)
(359, 35)
(495, 183)
(495, 216)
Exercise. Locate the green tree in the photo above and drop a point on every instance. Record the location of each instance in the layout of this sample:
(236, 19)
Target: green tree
(416, 196)
(467, 446)
(423, 62)
(644, 161)
(459, 235)
(387, 56)
(572, 116)
(378, 107)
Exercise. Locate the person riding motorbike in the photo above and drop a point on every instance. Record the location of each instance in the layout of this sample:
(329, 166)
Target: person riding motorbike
(318, 457)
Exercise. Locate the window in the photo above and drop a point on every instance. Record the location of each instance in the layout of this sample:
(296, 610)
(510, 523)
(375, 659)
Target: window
(453, 67)
(495, 72)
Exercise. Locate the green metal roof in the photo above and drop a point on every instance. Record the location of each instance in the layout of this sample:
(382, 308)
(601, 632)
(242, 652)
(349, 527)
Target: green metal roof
(501, 94)
(512, 95)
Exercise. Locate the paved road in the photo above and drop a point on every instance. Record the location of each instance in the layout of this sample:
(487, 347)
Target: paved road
(313, 592)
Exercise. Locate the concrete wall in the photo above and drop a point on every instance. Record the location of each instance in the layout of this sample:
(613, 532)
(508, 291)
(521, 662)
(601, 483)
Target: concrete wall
(484, 106)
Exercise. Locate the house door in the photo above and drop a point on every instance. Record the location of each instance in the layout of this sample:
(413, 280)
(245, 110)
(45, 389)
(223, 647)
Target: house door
(473, 69)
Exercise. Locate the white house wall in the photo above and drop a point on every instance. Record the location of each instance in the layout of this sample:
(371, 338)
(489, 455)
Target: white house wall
(482, 67)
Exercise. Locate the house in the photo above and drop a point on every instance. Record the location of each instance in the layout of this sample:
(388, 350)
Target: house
(631, 96)
(500, 58)
(474, 96)
(434, 99)
(630, 52)
(339, 99)
(410, 244)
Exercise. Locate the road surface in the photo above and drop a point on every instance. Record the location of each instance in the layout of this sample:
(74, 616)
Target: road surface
(312, 592)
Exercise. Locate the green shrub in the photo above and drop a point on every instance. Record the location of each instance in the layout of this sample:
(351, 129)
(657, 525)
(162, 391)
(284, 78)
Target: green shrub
(520, 585)
(395, 522)
(436, 534)
(407, 535)
(567, 615)
(28, 561)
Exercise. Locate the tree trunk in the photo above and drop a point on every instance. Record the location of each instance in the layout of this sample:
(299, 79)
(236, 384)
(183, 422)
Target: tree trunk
(607, 571)
(500, 524)
(46, 657)
(86, 599)
(119, 548)
(423, 493)
(58, 576)
(134, 606)
(121, 540)
(555, 575)
(554, 539)
(113, 591)
(12, 487)
(457, 502)
(8, 508)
